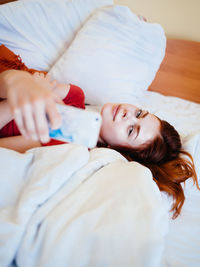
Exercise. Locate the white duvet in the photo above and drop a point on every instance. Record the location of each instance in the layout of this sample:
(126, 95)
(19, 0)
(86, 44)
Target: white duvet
(66, 206)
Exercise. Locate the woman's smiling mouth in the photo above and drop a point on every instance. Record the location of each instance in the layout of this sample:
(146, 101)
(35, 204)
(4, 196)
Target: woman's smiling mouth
(115, 111)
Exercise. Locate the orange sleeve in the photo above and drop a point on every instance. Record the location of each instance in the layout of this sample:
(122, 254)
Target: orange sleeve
(8, 60)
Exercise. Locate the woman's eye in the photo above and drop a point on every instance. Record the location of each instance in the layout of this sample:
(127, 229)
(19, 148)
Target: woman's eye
(130, 130)
(139, 112)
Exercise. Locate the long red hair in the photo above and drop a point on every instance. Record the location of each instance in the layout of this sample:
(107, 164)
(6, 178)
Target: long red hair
(169, 163)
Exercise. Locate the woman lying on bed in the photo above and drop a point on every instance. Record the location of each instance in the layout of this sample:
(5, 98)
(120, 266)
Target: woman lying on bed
(27, 96)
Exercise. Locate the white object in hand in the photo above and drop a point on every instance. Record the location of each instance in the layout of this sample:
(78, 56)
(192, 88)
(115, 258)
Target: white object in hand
(78, 126)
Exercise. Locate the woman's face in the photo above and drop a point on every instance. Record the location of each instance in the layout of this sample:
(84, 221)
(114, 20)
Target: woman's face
(127, 125)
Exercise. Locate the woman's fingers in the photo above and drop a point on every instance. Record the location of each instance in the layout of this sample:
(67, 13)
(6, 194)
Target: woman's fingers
(53, 115)
(29, 122)
(45, 113)
(41, 122)
(33, 117)
(18, 117)
(32, 121)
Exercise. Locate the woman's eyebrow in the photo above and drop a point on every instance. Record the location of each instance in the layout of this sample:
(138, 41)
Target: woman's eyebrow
(145, 114)
(137, 133)
(138, 127)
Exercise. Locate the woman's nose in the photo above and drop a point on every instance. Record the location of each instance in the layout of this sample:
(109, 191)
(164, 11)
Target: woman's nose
(125, 114)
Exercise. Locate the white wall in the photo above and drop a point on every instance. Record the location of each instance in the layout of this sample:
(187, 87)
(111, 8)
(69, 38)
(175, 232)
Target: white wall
(179, 18)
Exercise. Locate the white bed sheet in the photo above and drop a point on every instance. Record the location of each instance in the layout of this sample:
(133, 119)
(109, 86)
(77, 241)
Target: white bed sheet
(183, 240)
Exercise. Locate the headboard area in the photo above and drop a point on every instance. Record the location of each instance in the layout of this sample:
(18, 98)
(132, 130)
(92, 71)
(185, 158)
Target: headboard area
(179, 73)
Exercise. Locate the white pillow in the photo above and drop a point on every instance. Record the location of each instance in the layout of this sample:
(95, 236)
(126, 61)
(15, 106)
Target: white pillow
(40, 30)
(114, 56)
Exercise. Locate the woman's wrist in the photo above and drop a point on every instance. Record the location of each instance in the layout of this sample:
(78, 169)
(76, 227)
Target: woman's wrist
(62, 90)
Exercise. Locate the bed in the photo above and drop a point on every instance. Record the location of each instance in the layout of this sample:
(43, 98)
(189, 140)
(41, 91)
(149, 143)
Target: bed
(93, 208)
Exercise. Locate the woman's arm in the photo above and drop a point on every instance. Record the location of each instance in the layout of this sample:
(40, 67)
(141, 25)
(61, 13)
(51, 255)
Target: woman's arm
(18, 143)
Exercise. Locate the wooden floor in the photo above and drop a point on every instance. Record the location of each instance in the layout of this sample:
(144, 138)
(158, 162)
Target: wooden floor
(179, 73)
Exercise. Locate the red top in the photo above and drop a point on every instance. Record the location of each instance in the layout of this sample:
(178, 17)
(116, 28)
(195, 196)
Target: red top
(8, 60)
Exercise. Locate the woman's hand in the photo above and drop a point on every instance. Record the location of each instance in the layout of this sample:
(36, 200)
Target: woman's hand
(31, 102)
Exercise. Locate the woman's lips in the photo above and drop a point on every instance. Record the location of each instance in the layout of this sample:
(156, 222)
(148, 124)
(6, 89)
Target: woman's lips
(115, 111)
